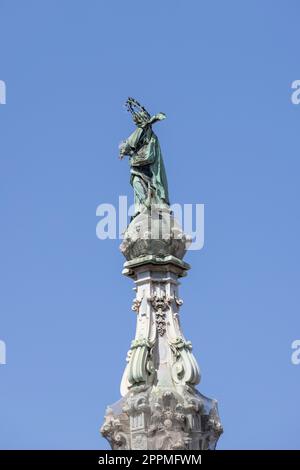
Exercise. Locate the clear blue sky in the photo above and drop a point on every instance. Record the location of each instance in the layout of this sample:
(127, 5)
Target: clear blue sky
(222, 73)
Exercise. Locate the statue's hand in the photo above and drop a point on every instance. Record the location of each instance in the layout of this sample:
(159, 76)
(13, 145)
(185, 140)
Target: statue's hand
(122, 150)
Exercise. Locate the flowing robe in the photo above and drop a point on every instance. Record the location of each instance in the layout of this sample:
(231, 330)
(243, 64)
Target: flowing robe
(148, 175)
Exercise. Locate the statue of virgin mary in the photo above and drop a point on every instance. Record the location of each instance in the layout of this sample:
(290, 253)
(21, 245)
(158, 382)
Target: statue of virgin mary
(147, 171)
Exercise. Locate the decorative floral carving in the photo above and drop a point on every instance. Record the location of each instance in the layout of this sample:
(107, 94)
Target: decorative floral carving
(136, 305)
(137, 401)
(161, 303)
(179, 344)
(168, 423)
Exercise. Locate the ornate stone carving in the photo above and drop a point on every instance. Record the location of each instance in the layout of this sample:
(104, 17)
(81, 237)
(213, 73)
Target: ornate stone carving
(168, 423)
(160, 303)
(139, 442)
(213, 423)
(185, 368)
(140, 365)
(113, 432)
(163, 419)
(136, 303)
(179, 302)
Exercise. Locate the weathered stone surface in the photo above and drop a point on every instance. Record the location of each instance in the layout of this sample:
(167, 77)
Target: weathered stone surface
(154, 233)
(162, 419)
(160, 408)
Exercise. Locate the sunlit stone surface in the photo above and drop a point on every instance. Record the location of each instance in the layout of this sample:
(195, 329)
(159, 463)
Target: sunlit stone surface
(160, 407)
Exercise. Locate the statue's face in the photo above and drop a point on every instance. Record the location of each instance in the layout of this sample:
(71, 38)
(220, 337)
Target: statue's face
(136, 119)
(140, 119)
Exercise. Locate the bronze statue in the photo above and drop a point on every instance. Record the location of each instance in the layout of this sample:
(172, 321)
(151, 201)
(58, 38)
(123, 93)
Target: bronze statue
(148, 176)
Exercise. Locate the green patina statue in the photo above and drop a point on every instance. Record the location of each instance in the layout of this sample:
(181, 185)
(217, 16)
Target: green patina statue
(148, 176)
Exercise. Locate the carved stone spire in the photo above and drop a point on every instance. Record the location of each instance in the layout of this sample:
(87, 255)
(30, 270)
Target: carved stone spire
(160, 407)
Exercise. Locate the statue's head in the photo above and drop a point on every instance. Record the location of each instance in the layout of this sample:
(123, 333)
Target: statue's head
(140, 115)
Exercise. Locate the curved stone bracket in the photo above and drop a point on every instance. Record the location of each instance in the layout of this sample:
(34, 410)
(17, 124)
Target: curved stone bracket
(140, 366)
(185, 369)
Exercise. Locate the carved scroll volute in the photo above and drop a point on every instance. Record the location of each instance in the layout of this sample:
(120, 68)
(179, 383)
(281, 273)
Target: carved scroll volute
(140, 367)
(138, 364)
(185, 369)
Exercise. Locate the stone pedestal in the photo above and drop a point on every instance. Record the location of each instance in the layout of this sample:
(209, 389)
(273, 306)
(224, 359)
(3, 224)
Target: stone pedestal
(160, 406)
